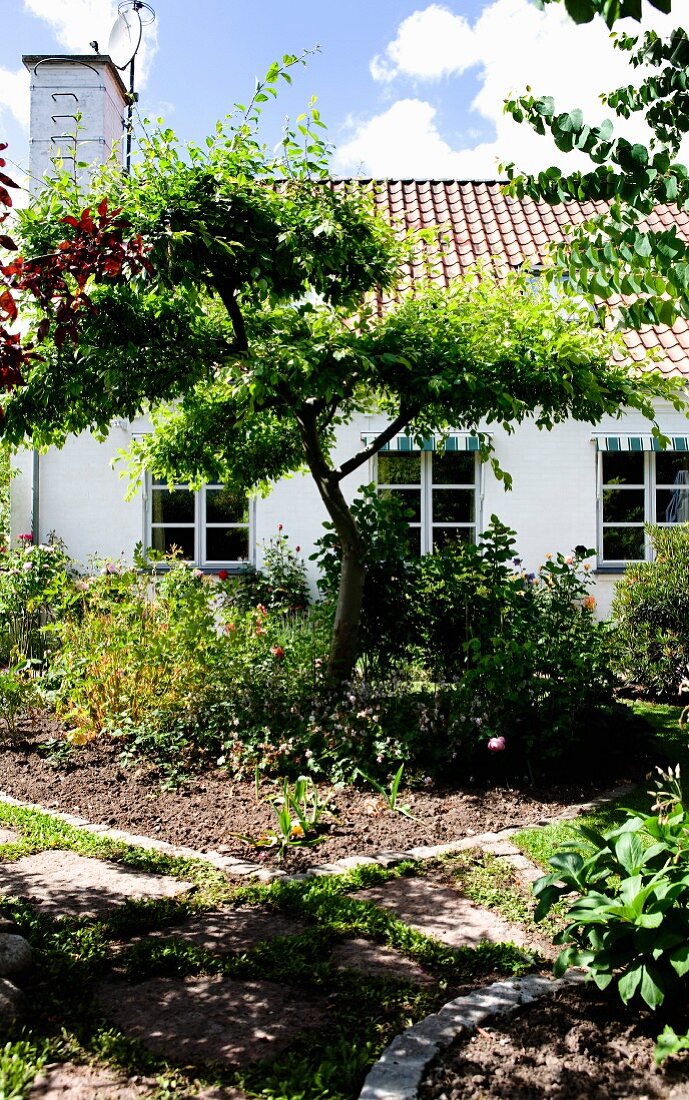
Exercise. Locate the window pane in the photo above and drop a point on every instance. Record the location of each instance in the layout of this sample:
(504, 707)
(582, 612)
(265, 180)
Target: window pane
(227, 544)
(623, 543)
(410, 497)
(445, 536)
(623, 505)
(672, 468)
(172, 506)
(224, 506)
(454, 468)
(623, 468)
(672, 505)
(165, 539)
(399, 469)
(453, 505)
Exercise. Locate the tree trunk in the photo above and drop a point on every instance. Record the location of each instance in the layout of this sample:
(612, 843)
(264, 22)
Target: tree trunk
(345, 637)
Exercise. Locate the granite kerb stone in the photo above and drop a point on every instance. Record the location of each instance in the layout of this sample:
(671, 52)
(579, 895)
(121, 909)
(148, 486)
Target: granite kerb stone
(399, 1071)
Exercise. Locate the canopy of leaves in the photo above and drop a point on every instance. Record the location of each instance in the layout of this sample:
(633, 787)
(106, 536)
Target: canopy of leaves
(583, 11)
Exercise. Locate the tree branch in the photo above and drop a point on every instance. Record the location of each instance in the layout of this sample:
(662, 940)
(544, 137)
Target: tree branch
(228, 298)
(357, 460)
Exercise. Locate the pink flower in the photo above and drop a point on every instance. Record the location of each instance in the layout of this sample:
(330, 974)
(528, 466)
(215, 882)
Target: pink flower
(223, 575)
(497, 744)
(569, 560)
(26, 538)
(279, 527)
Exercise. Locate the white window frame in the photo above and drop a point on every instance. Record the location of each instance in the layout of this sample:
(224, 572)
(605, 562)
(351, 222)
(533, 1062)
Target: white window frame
(426, 525)
(200, 527)
(650, 486)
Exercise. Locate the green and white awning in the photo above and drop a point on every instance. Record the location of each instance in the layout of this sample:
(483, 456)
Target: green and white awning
(641, 443)
(453, 441)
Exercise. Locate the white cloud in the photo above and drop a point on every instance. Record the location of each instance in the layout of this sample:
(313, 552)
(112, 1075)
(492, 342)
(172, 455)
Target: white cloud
(14, 94)
(76, 23)
(429, 44)
(511, 45)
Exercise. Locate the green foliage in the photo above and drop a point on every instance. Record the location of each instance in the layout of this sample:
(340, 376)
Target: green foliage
(616, 252)
(390, 795)
(280, 584)
(19, 1063)
(19, 696)
(36, 587)
(583, 11)
(629, 925)
(299, 811)
(651, 615)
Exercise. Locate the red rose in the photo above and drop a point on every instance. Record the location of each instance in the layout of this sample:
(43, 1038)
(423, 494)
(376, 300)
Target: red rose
(223, 575)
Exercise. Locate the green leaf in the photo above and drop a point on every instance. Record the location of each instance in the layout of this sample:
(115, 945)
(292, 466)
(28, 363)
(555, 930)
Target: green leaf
(629, 983)
(629, 851)
(651, 989)
(679, 960)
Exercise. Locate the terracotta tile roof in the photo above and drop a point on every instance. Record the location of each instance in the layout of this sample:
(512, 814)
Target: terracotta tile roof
(481, 223)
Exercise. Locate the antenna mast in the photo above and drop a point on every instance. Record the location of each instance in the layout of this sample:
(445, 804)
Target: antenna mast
(125, 40)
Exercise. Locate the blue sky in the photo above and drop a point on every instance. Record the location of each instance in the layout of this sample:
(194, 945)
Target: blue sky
(406, 87)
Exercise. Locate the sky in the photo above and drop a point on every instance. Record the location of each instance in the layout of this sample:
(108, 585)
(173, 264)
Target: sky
(407, 88)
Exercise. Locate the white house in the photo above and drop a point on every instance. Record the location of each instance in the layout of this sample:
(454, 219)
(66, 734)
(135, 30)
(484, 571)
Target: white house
(571, 486)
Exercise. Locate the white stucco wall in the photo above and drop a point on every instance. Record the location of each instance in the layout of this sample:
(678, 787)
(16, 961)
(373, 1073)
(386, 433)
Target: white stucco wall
(552, 505)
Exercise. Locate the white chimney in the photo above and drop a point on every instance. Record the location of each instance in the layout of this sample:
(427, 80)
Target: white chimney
(66, 89)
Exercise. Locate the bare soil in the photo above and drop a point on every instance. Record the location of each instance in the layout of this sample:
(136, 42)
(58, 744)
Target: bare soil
(214, 811)
(576, 1045)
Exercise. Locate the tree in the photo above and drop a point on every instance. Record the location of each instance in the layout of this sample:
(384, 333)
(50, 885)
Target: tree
(583, 11)
(617, 252)
(252, 334)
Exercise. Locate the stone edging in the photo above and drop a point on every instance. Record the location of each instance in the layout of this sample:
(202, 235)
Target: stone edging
(400, 1070)
(491, 841)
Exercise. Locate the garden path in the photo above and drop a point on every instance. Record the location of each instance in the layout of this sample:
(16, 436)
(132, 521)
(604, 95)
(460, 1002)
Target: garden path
(216, 1018)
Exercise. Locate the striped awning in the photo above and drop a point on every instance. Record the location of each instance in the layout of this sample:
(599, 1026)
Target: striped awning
(453, 441)
(641, 443)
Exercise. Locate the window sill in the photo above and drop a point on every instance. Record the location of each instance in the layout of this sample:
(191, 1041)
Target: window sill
(609, 570)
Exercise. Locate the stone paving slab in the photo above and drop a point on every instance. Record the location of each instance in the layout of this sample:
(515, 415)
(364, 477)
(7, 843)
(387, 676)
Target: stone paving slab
(68, 884)
(441, 912)
(72, 1082)
(231, 929)
(210, 1019)
(9, 836)
(377, 961)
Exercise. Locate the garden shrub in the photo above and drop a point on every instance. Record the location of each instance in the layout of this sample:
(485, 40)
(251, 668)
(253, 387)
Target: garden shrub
(280, 584)
(131, 648)
(36, 586)
(20, 695)
(651, 615)
(629, 922)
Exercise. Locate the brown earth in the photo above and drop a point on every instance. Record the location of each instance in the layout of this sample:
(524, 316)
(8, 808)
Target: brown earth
(577, 1045)
(214, 810)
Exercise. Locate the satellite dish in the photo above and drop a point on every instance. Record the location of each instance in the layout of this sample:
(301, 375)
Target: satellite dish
(125, 37)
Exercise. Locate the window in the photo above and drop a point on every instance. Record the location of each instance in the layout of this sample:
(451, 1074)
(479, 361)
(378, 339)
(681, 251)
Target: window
(439, 489)
(636, 488)
(211, 527)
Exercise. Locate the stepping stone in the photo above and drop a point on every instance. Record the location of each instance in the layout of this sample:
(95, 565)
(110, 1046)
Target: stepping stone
(65, 883)
(230, 929)
(441, 912)
(210, 1019)
(9, 836)
(71, 1082)
(376, 961)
